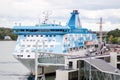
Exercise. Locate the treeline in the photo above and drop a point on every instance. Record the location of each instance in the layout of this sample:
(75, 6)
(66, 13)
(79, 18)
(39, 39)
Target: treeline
(7, 32)
(113, 36)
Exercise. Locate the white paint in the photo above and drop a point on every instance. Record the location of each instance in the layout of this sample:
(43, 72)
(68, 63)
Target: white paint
(113, 59)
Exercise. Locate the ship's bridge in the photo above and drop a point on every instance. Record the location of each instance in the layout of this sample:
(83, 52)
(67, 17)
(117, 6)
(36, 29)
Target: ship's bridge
(42, 29)
(47, 29)
(73, 26)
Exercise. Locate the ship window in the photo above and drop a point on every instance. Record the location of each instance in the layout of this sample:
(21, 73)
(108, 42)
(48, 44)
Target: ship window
(23, 45)
(74, 48)
(46, 35)
(51, 45)
(53, 40)
(50, 50)
(31, 35)
(45, 40)
(70, 64)
(54, 35)
(40, 45)
(34, 45)
(27, 50)
(46, 45)
(28, 55)
(70, 49)
(28, 45)
(38, 40)
(41, 35)
(28, 35)
(45, 50)
(27, 30)
(22, 50)
(50, 35)
(36, 35)
(24, 35)
(22, 30)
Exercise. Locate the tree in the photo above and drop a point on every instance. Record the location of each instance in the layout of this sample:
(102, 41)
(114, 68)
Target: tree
(114, 36)
(115, 33)
(111, 38)
(7, 32)
(115, 40)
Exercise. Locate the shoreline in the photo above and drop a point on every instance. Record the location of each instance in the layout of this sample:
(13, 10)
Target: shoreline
(7, 40)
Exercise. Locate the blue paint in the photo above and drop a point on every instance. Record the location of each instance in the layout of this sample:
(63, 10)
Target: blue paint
(68, 36)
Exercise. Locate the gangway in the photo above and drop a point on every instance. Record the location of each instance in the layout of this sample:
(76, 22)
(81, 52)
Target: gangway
(100, 70)
(48, 59)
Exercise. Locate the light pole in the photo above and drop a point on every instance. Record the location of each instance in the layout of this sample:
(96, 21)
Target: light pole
(36, 60)
(90, 64)
(90, 68)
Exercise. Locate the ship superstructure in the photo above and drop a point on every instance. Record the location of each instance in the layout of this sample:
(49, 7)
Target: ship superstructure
(51, 38)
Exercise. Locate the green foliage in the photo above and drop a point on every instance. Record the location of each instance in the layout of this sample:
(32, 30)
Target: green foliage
(111, 38)
(115, 40)
(118, 40)
(114, 33)
(7, 32)
(114, 36)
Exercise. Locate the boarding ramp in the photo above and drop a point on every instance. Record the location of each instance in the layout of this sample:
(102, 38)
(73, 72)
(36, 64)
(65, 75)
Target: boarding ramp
(43, 59)
(51, 59)
(100, 70)
(103, 66)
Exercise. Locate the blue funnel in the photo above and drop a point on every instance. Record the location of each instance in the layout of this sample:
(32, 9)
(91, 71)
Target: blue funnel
(74, 21)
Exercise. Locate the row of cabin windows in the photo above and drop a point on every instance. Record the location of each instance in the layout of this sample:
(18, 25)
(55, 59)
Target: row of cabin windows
(38, 46)
(40, 35)
(76, 48)
(44, 30)
(38, 40)
(33, 51)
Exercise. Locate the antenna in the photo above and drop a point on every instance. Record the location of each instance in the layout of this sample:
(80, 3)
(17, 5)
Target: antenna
(59, 23)
(39, 21)
(79, 23)
(53, 21)
(15, 24)
(100, 29)
(19, 24)
(46, 16)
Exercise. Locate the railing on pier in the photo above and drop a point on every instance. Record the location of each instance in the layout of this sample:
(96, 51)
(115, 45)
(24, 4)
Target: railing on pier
(51, 59)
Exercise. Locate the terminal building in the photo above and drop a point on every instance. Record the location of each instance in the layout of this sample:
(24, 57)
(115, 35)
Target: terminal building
(90, 69)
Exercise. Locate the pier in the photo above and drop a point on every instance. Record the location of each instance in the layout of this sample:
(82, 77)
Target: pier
(77, 68)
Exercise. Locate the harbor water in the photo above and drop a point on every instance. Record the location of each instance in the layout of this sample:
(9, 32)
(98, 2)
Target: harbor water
(10, 68)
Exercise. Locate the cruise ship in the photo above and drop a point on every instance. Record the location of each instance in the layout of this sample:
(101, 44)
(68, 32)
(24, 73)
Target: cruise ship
(52, 38)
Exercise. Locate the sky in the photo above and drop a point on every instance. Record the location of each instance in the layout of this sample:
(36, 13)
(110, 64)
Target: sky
(30, 12)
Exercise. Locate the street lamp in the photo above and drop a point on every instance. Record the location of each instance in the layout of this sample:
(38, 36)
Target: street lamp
(90, 66)
(36, 59)
(90, 51)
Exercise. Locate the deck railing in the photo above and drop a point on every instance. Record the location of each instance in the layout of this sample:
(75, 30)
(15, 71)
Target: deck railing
(51, 58)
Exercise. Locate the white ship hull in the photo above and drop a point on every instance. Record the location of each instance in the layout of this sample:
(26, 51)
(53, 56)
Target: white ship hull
(30, 64)
(52, 38)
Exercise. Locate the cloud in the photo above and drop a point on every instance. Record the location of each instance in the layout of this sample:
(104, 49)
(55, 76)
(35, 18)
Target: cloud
(85, 4)
(27, 12)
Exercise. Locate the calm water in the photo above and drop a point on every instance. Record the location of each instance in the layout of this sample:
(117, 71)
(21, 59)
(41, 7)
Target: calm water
(10, 68)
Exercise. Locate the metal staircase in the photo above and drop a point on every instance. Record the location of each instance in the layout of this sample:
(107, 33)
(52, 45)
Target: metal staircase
(47, 59)
(51, 59)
